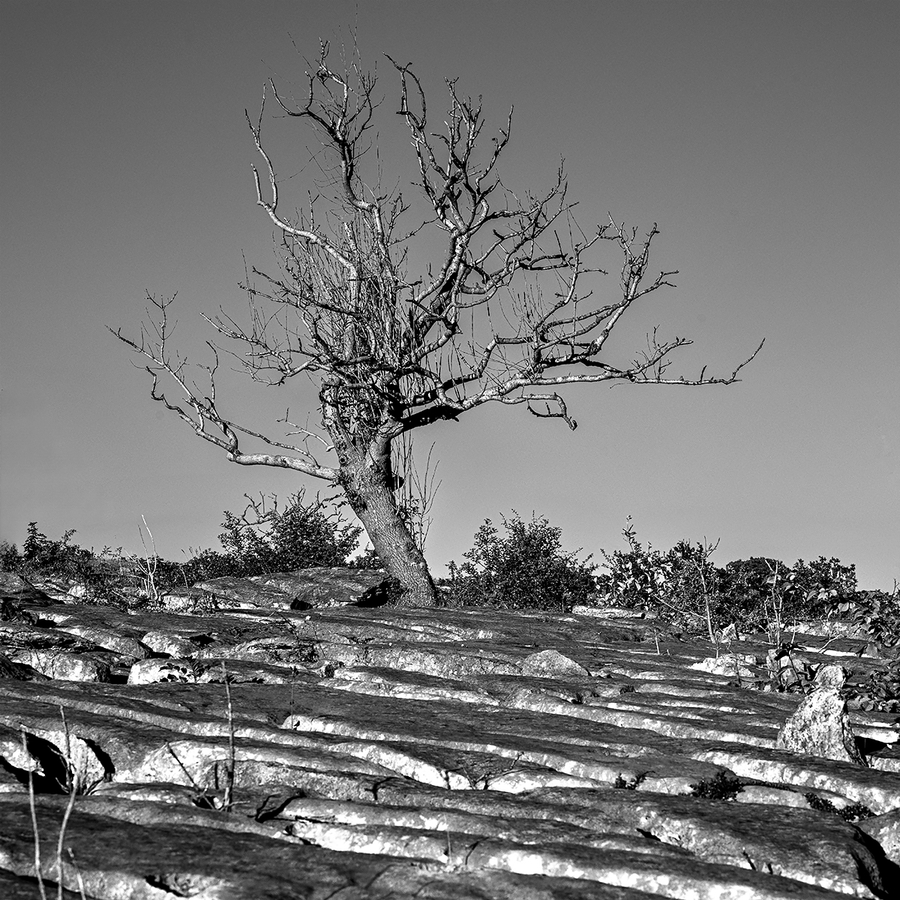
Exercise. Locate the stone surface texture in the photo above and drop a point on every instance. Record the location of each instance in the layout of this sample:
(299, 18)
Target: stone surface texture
(820, 726)
(292, 741)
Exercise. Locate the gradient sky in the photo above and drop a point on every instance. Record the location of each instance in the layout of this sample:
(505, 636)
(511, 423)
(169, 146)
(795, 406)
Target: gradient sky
(764, 138)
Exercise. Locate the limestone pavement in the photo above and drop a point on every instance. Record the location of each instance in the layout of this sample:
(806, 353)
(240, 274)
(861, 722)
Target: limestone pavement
(232, 749)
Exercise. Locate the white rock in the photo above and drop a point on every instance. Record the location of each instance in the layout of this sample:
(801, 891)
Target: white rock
(820, 726)
(153, 671)
(551, 663)
(729, 664)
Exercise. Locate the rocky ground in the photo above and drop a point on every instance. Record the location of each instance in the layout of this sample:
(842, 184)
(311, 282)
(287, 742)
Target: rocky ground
(278, 739)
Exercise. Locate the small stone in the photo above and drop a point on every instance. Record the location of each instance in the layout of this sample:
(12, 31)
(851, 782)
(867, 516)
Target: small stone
(154, 671)
(19, 671)
(764, 793)
(551, 663)
(733, 665)
(62, 666)
(184, 601)
(169, 644)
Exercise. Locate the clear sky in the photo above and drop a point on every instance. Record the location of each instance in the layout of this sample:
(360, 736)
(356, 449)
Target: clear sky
(763, 137)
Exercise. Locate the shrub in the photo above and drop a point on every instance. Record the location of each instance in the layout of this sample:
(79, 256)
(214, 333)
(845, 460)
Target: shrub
(824, 582)
(880, 690)
(760, 590)
(721, 787)
(681, 583)
(637, 577)
(854, 812)
(524, 569)
(43, 557)
(302, 535)
(877, 613)
(265, 539)
(693, 586)
(9, 557)
(202, 566)
(752, 591)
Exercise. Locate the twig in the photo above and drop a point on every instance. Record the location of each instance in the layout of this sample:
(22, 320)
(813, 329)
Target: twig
(181, 765)
(148, 566)
(72, 787)
(34, 822)
(78, 875)
(229, 774)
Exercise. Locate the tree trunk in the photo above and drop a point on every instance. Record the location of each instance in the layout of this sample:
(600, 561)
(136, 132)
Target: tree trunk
(367, 482)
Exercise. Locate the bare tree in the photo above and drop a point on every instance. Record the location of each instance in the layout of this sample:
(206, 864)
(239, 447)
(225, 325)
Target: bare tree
(506, 311)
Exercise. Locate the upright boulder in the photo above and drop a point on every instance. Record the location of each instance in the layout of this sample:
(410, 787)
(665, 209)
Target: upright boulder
(820, 726)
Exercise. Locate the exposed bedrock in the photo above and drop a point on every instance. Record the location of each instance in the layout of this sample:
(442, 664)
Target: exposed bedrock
(353, 750)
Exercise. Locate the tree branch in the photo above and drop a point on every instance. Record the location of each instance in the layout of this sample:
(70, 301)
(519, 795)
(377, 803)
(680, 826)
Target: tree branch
(205, 412)
(513, 306)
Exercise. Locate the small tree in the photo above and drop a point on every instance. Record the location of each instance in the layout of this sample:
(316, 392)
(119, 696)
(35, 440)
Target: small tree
(506, 311)
(525, 569)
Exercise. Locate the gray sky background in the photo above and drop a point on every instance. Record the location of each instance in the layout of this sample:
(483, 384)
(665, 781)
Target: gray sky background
(764, 138)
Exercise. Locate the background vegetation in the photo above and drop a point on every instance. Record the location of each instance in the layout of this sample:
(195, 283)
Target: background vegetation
(521, 567)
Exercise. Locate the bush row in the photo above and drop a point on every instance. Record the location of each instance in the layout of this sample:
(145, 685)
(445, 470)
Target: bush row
(261, 540)
(524, 567)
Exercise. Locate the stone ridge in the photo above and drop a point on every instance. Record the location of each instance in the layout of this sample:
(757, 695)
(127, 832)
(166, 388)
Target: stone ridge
(256, 750)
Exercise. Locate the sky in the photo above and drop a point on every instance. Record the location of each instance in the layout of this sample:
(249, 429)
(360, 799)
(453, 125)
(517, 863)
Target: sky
(762, 137)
